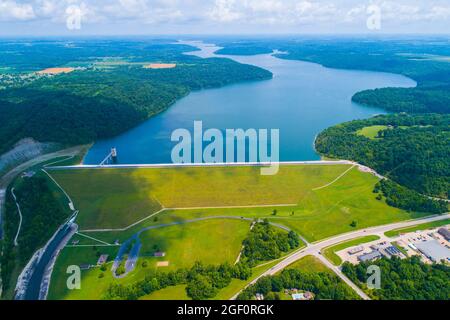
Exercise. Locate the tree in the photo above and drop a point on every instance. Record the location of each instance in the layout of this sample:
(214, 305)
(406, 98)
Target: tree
(200, 288)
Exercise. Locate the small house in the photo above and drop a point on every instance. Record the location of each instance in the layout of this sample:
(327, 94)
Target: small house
(159, 254)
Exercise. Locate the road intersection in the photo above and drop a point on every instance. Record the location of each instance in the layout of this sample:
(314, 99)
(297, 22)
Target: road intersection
(315, 249)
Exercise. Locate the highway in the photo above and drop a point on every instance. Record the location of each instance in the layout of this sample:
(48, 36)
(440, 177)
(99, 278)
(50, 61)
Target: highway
(316, 248)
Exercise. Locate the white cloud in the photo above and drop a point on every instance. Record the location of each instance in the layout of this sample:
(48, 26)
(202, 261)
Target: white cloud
(308, 12)
(356, 13)
(266, 6)
(439, 12)
(224, 11)
(200, 14)
(11, 10)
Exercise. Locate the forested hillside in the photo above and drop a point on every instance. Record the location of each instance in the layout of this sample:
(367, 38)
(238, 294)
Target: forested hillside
(417, 100)
(411, 150)
(42, 214)
(102, 100)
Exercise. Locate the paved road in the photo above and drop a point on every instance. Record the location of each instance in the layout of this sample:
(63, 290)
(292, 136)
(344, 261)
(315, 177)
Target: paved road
(20, 218)
(341, 275)
(316, 248)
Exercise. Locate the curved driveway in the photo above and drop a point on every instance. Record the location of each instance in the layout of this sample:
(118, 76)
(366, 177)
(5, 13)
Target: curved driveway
(133, 255)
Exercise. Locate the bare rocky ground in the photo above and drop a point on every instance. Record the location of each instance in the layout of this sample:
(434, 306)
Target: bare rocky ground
(24, 150)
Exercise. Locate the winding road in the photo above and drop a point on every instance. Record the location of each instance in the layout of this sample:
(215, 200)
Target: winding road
(135, 242)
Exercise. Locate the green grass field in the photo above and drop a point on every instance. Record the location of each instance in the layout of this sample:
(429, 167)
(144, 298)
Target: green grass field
(330, 252)
(309, 264)
(371, 132)
(117, 198)
(211, 242)
(423, 226)
(169, 293)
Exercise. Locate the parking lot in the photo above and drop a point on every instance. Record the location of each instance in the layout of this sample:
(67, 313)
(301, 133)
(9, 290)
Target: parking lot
(401, 246)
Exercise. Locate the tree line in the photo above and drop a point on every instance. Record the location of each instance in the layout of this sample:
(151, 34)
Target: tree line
(202, 281)
(407, 279)
(324, 285)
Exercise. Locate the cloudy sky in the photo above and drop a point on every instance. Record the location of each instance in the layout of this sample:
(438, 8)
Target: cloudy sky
(138, 17)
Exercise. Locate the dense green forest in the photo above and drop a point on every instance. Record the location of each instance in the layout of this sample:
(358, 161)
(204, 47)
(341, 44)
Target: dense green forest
(99, 102)
(265, 243)
(412, 150)
(408, 279)
(202, 281)
(42, 214)
(422, 59)
(401, 197)
(417, 100)
(324, 285)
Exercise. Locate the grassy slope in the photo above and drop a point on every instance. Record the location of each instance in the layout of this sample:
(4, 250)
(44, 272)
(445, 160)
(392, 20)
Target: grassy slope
(309, 264)
(169, 293)
(212, 242)
(349, 199)
(130, 194)
(335, 207)
(330, 252)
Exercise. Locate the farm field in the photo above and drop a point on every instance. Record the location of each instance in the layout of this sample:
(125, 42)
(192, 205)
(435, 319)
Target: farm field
(113, 198)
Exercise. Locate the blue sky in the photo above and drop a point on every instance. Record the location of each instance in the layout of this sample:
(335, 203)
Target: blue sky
(139, 17)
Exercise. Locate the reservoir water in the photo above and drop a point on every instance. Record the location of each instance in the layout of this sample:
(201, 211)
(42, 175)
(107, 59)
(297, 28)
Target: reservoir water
(301, 100)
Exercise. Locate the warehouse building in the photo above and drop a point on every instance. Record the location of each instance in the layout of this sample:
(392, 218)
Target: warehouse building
(375, 254)
(434, 251)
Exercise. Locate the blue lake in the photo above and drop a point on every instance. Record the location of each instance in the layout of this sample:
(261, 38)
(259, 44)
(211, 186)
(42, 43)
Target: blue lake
(301, 100)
